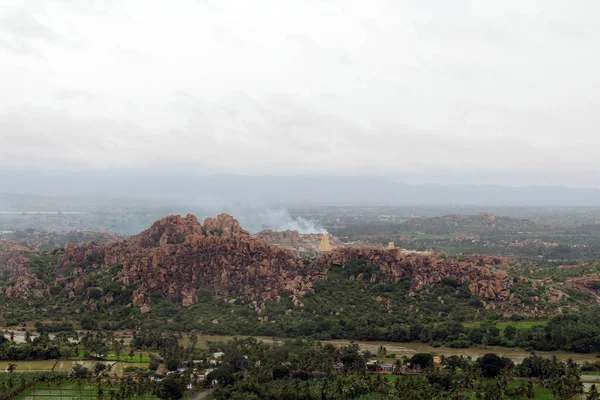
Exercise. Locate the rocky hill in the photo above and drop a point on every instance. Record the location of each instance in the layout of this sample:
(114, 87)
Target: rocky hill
(177, 256)
(180, 259)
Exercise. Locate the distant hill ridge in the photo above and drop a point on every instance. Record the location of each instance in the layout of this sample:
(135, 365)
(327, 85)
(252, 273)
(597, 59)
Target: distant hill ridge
(296, 189)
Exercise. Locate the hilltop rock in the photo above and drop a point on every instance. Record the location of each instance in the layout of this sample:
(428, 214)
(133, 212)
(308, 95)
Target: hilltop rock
(224, 225)
(173, 229)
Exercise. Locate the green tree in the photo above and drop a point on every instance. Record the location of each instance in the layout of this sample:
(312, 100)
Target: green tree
(88, 323)
(422, 360)
(559, 386)
(530, 392)
(118, 346)
(593, 393)
(353, 360)
(510, 331)
(79, 371)
(492, 391)
(491, 364)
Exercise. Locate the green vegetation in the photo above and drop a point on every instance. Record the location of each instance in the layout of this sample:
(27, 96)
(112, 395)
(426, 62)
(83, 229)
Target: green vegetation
(138, 357)
(40, 348)
(306, 370)
(445, 314)
(42, 265)
(101, 381)
(348, 305)
(502, 325)
(11, 384)
(85, 389)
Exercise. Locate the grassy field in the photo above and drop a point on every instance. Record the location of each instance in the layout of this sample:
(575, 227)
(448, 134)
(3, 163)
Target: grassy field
(519, 325)
(67, 390)
(502, 325)
(124, 357)
(542, 393)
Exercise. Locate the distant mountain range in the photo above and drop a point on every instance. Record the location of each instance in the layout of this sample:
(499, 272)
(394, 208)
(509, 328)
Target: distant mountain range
(291, 190)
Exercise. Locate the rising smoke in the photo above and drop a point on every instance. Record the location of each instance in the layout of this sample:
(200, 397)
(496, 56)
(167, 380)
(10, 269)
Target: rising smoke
(276, 219)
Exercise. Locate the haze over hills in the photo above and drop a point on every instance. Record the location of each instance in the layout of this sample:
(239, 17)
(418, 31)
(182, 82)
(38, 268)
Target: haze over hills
(219, 190)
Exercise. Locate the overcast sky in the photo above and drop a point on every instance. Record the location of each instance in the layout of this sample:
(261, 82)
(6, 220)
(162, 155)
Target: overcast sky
(435, 91)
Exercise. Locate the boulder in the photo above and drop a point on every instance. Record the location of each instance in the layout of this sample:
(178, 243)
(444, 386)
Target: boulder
(224, 225)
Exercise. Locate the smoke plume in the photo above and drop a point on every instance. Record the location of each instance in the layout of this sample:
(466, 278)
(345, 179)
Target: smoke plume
(276, 219)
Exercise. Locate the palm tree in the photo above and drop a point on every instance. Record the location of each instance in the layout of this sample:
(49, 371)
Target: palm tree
(503, 380)
(593, 393)
(560, 387)
(381, 384)
(398, 365)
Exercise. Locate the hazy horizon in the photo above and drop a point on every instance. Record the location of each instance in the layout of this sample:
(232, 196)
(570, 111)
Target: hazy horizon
(216, 192)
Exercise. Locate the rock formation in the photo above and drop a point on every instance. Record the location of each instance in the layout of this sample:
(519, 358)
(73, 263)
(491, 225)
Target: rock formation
(588, 283)
(177, 256)
(486, 281)
(224, 225)
(15, 261)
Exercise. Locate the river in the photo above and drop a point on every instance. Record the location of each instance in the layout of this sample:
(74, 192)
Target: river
(409, 349)
(19, 336)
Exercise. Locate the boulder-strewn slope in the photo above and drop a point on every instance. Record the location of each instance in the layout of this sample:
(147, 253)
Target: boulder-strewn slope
(423, 271)
(177, 256)
(17, 276)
